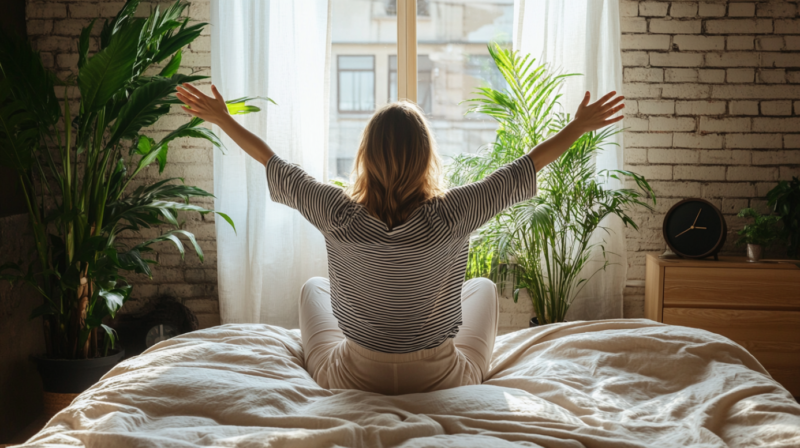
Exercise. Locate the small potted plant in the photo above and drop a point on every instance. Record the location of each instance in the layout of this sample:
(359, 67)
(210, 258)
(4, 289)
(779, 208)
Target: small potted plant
(784, 199)
(757, 235)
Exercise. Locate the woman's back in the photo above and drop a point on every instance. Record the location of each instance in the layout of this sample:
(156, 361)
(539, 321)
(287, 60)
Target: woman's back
(399, 290)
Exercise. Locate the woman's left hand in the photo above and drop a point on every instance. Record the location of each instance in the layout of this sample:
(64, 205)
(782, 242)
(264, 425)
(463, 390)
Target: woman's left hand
(591, 117)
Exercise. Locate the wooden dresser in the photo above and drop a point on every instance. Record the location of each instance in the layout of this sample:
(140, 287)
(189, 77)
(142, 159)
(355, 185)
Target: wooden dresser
(755, 304)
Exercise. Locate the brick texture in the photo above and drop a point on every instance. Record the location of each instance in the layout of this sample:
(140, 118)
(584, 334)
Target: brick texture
(713, 93)
(53, 28)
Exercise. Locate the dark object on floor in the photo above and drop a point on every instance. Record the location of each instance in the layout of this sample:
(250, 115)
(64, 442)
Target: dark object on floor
(167, 311)
(73, 376)
(534, 322)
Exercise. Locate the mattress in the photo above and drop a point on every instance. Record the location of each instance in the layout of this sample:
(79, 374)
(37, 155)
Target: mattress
(613, 383)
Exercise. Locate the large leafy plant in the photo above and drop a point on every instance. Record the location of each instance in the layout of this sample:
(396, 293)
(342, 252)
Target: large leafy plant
(76, 167)
(544, 244)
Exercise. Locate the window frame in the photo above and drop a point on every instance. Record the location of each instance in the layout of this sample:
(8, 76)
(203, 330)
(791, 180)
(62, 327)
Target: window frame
(389, 72)
(407, 50)
(339, 84)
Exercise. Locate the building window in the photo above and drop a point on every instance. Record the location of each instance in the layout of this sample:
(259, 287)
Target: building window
(423, 8)
(356, 83)
(344, 165)
(424, 82)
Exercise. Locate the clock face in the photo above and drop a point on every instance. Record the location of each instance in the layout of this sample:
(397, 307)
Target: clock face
(694, 228)
(160, 332)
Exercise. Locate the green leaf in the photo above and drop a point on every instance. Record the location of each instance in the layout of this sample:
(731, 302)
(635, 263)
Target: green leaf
(147, 160)
(172, 67)
(144, 107)
(144, 145)
(162, 158)
(83, 44)
(172, 236)
(19, 137)
(111, 28)
(242, 109)
(193, 129)
(28, 81)
(111, 333)
(112, 299)
(110, 69)
(179, 40)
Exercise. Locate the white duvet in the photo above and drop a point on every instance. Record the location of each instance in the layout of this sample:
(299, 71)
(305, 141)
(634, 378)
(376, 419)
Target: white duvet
(616, 383)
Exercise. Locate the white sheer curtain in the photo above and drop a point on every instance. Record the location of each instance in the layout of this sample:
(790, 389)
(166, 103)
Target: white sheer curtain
(582, 36)
(280, 49)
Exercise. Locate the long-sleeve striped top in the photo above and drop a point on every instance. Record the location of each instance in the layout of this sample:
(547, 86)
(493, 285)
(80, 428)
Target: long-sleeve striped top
(399, 290)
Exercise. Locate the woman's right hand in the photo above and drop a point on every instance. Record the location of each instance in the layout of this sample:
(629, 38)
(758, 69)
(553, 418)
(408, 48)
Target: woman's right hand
(591, 117)
(213, 110)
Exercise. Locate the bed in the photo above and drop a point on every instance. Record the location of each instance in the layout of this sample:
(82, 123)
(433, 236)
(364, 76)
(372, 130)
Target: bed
(613, 383)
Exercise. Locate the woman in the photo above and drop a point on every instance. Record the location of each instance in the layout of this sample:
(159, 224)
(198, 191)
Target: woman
(396, 316)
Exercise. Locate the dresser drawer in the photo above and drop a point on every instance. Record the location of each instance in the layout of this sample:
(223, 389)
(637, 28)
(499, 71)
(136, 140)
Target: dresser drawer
(772, 289)
(773, 337)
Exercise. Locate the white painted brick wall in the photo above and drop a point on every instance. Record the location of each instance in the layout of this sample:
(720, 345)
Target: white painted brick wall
(53, 27)
(722, 123)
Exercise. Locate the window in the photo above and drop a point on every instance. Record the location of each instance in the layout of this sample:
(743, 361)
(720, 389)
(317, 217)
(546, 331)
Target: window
(356, 83)
(343, 166)
(374, 40)
(424, 82)
(423, 8)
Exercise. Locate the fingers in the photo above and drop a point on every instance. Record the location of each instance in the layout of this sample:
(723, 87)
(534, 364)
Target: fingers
(191, 111)
(185, 92)
(586, 98)
(194, 90)
(612, 103)
(612, 111)
(613, 120)
(605, 98)
(188, 100)
(216, 93)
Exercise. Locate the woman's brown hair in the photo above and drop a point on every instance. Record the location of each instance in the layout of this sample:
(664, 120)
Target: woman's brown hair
(397, 167)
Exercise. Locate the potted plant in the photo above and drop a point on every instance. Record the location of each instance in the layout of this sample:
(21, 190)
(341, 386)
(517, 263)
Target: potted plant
(758, 234)
(784, 199)
(544, 244)
(77, 168)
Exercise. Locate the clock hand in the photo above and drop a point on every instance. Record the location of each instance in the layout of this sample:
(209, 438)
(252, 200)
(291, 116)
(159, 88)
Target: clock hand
(695, 218)
(700, 228)
(690, 228)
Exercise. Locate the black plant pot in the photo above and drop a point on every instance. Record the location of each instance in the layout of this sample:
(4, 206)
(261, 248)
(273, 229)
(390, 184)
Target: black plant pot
(73, 376)
(534, 322)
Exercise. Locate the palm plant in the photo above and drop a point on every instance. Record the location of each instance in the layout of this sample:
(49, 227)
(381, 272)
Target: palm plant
(75, 167)
(543, 244)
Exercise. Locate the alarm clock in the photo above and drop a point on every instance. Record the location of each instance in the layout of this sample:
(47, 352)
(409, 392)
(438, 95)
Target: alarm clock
(695, 228)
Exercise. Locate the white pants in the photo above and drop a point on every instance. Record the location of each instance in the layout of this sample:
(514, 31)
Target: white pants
(338, 363)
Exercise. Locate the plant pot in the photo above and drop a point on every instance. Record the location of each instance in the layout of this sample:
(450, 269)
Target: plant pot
(73, 376)
(754, 252)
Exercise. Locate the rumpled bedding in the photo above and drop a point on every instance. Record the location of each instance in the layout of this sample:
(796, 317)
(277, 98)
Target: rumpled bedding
(614, 383)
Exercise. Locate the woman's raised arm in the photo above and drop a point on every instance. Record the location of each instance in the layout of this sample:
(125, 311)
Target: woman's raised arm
(589, 117)
(215, 111)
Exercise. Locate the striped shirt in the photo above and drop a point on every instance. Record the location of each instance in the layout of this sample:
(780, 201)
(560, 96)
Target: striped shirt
(399, 290)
